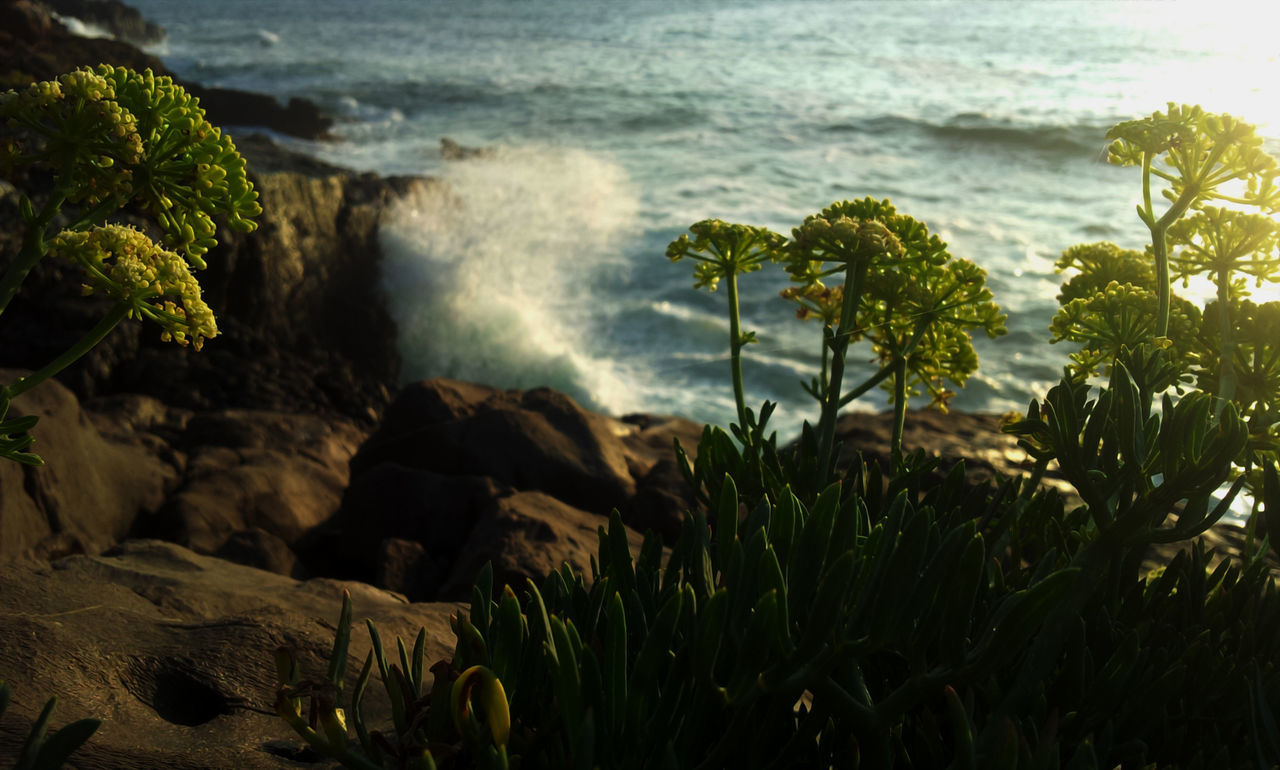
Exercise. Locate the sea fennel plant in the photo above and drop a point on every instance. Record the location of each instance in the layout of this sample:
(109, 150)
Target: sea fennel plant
(1122, 300)
(88, 147)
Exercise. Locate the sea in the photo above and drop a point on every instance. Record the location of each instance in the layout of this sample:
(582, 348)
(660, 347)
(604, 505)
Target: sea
(607, 128)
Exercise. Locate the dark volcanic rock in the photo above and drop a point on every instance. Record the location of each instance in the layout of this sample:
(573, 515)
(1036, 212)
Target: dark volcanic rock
(111, 16)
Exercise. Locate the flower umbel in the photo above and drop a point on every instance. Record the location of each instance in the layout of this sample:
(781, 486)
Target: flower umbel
(124, 264)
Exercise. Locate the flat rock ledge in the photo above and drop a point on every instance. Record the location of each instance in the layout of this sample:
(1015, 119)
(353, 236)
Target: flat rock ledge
(173, 650)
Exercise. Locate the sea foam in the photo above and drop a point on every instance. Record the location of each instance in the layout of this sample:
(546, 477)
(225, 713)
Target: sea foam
(490, 274)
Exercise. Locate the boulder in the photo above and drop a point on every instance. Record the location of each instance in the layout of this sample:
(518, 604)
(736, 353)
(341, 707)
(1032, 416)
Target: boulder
(458, 474)
(299, 117)
(250, 470)
(97, 478)
(537, 439)
(111, 16)
(395, 502)
(174, 652)
(525, 536)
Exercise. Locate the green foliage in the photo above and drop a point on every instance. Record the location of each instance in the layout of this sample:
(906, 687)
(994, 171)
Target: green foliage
(464, 710)
(48, 752)
(1120, 300)
(89, 145)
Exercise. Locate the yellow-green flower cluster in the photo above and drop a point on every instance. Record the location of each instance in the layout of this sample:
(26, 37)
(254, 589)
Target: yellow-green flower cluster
(111, 135)
(817, 301)
(1121, 316)
(1100, 264)
(1198, 153)
(916, 304)
(191, 172)
(1221, 241)
(74, 127)
(722, 249)
(156, 284)
(925, 314)
(844, 233)
(1256, 360)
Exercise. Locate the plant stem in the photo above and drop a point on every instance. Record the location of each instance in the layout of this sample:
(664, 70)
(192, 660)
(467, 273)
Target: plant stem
(899, 409)
(34, 247)
(839, 343)
(1033, 481)
(1159, 245)
(1227, 353)
(81, 346)
(735, 352)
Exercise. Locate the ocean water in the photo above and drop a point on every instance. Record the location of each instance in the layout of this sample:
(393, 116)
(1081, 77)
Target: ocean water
(610, 127)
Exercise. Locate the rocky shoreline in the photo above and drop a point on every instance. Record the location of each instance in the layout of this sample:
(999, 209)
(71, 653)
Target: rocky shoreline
(199, 510)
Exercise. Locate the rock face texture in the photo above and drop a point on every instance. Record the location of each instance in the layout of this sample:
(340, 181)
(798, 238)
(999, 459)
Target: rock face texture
(471, 473)
(250, 482)
(173, 651)
(298, 304)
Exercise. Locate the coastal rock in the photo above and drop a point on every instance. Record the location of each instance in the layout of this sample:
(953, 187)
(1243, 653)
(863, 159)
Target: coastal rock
(251, 471)
(458, 474)
(34, 45)
(949, 437)
(525, 536)
(111, 16)
(245, 484)
(173, 651)
(27, 19)
(97, 479)
(394, 502)
(662, 495)
(299, 117)
(537, 439)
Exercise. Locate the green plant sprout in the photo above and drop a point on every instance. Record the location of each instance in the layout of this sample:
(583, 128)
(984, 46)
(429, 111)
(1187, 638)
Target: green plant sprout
(465, 712)
(48, 752)
(94, 143)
